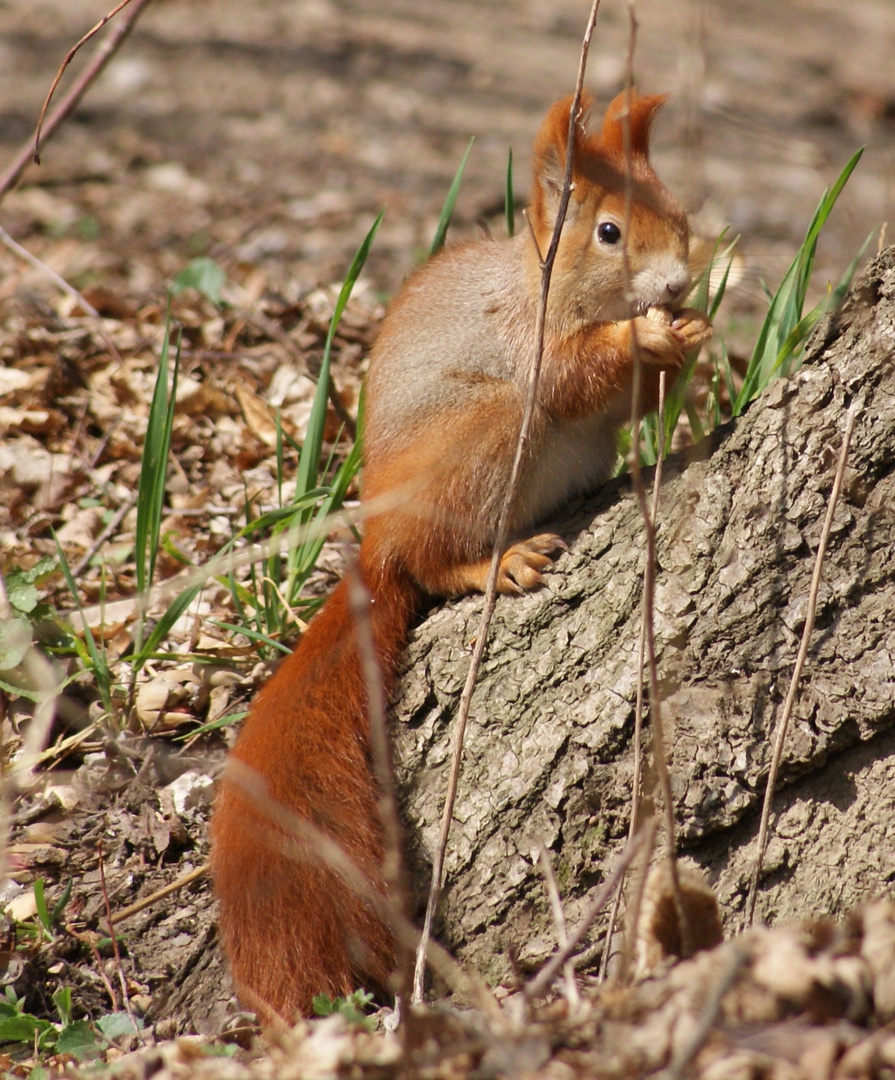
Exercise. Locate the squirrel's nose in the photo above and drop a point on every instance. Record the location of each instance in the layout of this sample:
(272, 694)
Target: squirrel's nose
(676, 287)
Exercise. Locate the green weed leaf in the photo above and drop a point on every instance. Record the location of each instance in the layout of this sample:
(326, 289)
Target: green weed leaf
(510, 198)
(79, 1040)
(447, 211)
(204, 275)
(116, 1025)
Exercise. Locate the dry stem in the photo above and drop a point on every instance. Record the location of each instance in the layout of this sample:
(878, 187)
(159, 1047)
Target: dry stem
(103, 55)
(502, 527)
(638, 708)
(649, 528)
(393, 873)
(23, 253)
(688, 1051)
(540, 984)
(789, 704)
(160, 894)
(100, 60)
(559, 920)
(125, 997)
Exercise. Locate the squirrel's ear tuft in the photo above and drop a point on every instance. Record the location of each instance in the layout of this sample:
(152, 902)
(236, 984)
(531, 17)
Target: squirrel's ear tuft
(635, 111)
(550, 159)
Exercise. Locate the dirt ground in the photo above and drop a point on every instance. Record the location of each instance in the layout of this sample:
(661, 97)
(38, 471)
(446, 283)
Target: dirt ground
(268, 137)
(276, 137)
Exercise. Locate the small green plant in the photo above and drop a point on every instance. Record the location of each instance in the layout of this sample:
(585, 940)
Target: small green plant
(25, 609)
(780, 342)
(205, 276)
(447, 210)
(786, 327)
(22, 1033)
(297, 530)
(49, 920)
(150, 509)
(353, 1007)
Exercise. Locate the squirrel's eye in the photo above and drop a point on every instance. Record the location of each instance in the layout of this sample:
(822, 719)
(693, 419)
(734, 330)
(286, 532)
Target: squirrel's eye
(608, 232)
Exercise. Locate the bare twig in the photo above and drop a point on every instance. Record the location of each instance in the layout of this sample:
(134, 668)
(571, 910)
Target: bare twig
(61, 284)
(540, 984)
(789, 704)
(393, 862)
(103, 55)
(638, 708)
(110, 530)
(635, 899)
(502, 527)
(559, 920)
(302, 840)
(160, 894)
(124, 994)
(715, 995)
(649, 529)
(275, 331)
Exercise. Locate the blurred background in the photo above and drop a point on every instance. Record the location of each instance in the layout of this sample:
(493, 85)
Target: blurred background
(270, 134)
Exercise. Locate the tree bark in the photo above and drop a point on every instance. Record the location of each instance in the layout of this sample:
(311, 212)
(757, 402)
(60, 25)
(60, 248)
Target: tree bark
(548, 750)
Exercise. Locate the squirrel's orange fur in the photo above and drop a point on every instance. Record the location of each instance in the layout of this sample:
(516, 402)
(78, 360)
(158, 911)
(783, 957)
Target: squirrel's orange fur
(445, 397)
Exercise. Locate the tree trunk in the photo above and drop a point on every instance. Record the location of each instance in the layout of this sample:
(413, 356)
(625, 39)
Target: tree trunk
(548, 753)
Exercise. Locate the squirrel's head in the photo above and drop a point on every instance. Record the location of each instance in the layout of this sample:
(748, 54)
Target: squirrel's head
(618, 207)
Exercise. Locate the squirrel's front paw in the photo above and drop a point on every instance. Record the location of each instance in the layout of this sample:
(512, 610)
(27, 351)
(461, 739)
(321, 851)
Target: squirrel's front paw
(657, 341)
(665, 339)
(692, 328)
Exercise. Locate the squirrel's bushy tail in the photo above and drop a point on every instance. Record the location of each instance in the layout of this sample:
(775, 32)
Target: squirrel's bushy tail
(290, 924)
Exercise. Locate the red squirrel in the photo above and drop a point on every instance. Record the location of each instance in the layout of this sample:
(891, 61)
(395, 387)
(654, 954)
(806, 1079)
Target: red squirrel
(445, 393)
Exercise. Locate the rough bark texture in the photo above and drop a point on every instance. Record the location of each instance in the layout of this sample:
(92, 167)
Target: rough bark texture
(548, 751)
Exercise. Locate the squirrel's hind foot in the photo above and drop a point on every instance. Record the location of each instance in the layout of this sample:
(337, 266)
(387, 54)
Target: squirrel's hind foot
(522, 564)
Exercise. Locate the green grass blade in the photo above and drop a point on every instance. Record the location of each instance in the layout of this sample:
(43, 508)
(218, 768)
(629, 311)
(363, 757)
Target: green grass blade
(785, 313)
(252, 635)
(40, 902)
(310, 451)
(62, 903)
(309, 551)
(154, 466)
(721, 290)
(98, 664)
(215, 725)
(279, 456)
(164, 624)
(309, 460)
(447, 210)
(510, 198)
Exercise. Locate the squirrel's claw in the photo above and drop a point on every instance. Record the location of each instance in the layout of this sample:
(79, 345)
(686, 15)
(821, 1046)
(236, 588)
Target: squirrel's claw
(521, 564)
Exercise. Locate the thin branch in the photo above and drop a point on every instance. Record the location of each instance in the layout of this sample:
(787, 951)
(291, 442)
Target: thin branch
(559, 921)
(635, 899)
(160, 894)
(117, 952)
(275, 331)
(500, 538)
(61, 284)
(393, 874)
(540, 984)
(789, 704)
(109, 531)
(649, 529)
(687, 1052)
(637, 778)
(103, 55)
